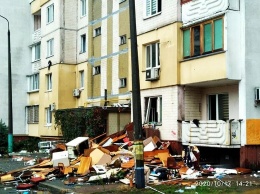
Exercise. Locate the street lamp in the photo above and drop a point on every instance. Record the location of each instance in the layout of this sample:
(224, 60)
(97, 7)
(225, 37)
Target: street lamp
(10, 106)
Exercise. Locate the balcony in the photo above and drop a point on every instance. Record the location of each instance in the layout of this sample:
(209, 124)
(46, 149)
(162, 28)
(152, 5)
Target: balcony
(212, 133)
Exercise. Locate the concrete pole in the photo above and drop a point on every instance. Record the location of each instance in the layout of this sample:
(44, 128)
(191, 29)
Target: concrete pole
(137, 119)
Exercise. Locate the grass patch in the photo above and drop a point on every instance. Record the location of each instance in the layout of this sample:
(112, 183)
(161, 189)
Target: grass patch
(168, 189)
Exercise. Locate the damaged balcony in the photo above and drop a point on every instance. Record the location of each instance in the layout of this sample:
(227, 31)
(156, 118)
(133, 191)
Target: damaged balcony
(212, 133)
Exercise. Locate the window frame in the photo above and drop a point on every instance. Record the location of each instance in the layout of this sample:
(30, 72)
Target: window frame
(48, 114)
(149, 7)
(83, 43)
(81, 79)
(122, 39)
(34, 110)
(83, 8)
(96, 70)
(150, 55)
(37, 52)
(49, 82)
(122, 82)
(206, 40)
(97, 31)
(158, 109)
(50, 47)
(34, 82)
(50, 13)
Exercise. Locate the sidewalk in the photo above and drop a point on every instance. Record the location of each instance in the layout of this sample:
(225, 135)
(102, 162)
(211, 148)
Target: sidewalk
(245, 182)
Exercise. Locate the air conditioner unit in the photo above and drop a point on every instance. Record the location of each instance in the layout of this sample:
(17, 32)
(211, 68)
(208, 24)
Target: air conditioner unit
(257, 93)
(152, 74)
(52, 107)
(76, 92)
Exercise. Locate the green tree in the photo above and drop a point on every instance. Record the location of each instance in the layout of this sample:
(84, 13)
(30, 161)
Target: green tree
(81, 121)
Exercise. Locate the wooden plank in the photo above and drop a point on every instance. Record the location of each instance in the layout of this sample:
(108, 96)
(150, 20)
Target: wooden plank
(155, 152)
(84, 165)
(129, 164)
(45, 162)
(163, 157)
(7, 177)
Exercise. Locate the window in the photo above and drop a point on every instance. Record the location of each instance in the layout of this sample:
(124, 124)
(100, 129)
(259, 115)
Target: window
(48, 114)
(83, 8)
(97, 32)
(204, 38)
(153, 110)
(37, 22)
(152, 55)
(122, 82)
(50, 50)
(123, 39)
(218, 107)
(36, 52)
(83, 43)
(49, 82)
(33, 114)
(81, 79)
(153, 7)
(50, 13)
(34, 82)
(96, 70)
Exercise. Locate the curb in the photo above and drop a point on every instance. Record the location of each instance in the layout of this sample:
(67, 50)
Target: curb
(54, 188)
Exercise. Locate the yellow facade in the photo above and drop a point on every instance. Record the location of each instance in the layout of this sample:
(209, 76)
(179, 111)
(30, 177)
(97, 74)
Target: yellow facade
(66, 77)
(36, 5)
(203, 69)
(169, 38)
(63, 83)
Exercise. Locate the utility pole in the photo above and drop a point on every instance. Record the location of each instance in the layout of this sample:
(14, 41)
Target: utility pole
(10, 104)
(137, 119)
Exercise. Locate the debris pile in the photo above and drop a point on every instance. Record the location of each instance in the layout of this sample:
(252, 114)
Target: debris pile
(111, 160)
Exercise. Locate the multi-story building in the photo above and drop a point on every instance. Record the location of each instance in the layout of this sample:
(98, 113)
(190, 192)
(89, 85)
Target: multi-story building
(218, 73)
(158, 25)
(197, 78)
(18, 15)
(80, 59)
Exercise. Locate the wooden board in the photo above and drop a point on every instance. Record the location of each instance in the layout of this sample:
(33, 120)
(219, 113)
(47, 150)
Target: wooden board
(163, 157)
(84, 165)
(7, 177)
(253, 131)
(129, 164)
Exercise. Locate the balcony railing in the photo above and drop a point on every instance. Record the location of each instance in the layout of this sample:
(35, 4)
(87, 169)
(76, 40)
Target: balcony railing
(36, 36)
(214, 133)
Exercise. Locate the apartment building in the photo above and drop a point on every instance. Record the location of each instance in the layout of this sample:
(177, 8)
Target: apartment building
(158, 25)
(18, 20)
(79, 59)
(218, 73)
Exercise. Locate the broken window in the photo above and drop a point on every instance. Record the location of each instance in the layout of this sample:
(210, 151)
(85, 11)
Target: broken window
(153, 110)
(218, 107)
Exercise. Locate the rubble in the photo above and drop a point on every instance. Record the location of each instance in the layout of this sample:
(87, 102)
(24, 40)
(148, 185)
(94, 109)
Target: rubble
(83, 160)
